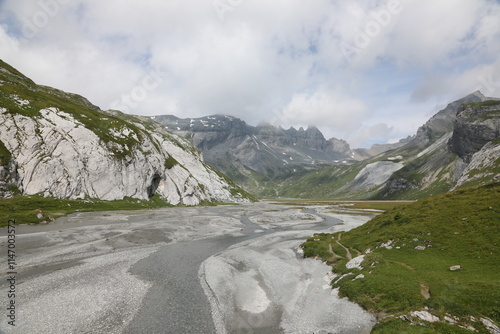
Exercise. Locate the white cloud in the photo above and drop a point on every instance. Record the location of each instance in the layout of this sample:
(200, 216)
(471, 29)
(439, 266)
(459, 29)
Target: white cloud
(328, 108)
(280, 59)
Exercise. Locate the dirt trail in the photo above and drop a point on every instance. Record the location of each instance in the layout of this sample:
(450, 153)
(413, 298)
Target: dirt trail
(334, 255)
(348, 252)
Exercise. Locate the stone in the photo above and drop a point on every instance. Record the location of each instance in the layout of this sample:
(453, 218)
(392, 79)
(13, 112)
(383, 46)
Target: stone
(355, 262)
(425, 316)
(450, 319)
(358, 277)
(420, 248)
(492, 328)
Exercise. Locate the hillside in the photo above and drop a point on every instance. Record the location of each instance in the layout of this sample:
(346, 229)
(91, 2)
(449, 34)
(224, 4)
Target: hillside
(458, 147)
(59, 145)
(426, 267)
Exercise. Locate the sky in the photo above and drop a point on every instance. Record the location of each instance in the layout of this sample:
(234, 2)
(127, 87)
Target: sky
(366, 71)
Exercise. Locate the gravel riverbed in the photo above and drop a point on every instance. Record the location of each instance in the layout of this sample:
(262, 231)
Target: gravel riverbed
(225, 269)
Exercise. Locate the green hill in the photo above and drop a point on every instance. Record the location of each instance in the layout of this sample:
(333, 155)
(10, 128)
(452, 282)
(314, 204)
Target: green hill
(412, 271)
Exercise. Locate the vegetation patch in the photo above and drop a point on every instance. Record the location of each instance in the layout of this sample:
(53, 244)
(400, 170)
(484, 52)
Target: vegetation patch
(38, 209)
(170, 162)
(488, 103)
(409, 252)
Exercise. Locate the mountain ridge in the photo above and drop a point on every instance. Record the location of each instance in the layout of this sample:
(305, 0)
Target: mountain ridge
(258, 156)
(426, 164)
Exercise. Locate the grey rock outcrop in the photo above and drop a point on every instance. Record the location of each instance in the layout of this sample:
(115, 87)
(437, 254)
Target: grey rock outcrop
(9, 179)
(443, 122)
(475, 127)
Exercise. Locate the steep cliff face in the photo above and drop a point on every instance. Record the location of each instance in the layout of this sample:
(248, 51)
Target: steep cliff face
(476, 125)
(60, 145)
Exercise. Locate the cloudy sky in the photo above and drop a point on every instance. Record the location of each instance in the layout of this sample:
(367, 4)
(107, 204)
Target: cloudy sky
(367, 71)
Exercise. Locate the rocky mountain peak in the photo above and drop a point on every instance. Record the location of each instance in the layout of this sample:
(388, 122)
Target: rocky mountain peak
(443, 121)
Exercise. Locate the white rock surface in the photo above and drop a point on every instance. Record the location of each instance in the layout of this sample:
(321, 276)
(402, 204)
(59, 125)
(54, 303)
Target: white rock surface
(355, 263)
(492, 328)
(57, 156)
(425, 316)
(377, 173)
(484, 157)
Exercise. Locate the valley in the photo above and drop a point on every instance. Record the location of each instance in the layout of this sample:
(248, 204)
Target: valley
(139, 224)
(457, 147)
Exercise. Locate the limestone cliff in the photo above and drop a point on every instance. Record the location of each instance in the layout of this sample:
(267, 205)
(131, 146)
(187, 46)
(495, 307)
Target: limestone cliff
(59, 145)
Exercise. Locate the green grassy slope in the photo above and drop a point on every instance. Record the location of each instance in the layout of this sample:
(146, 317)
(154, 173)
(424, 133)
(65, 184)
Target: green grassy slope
(37, 209)
(323, 183)
(458, 228)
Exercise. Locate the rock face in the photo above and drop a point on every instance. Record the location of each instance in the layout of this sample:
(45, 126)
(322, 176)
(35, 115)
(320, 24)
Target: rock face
(443, 122)
(476, 125)
(59, 145)
(458, 146)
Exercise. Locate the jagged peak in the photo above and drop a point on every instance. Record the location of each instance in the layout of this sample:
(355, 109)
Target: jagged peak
(478, 94)
(312, 128)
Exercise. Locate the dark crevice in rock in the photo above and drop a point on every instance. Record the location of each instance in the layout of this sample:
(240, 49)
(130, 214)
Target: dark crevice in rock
(155, 182)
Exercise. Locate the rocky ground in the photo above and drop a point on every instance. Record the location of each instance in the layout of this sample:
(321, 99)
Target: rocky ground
(226, 269)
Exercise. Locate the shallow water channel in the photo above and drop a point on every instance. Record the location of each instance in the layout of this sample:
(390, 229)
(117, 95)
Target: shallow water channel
(225, 269)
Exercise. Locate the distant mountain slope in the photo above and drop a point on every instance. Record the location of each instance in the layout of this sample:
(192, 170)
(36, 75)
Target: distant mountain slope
(262, 156)
(458, 146)
(58, 144)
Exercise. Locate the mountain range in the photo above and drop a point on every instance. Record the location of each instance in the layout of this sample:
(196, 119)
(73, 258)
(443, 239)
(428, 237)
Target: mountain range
(58, 144)
(255, 156)
(457, 147)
